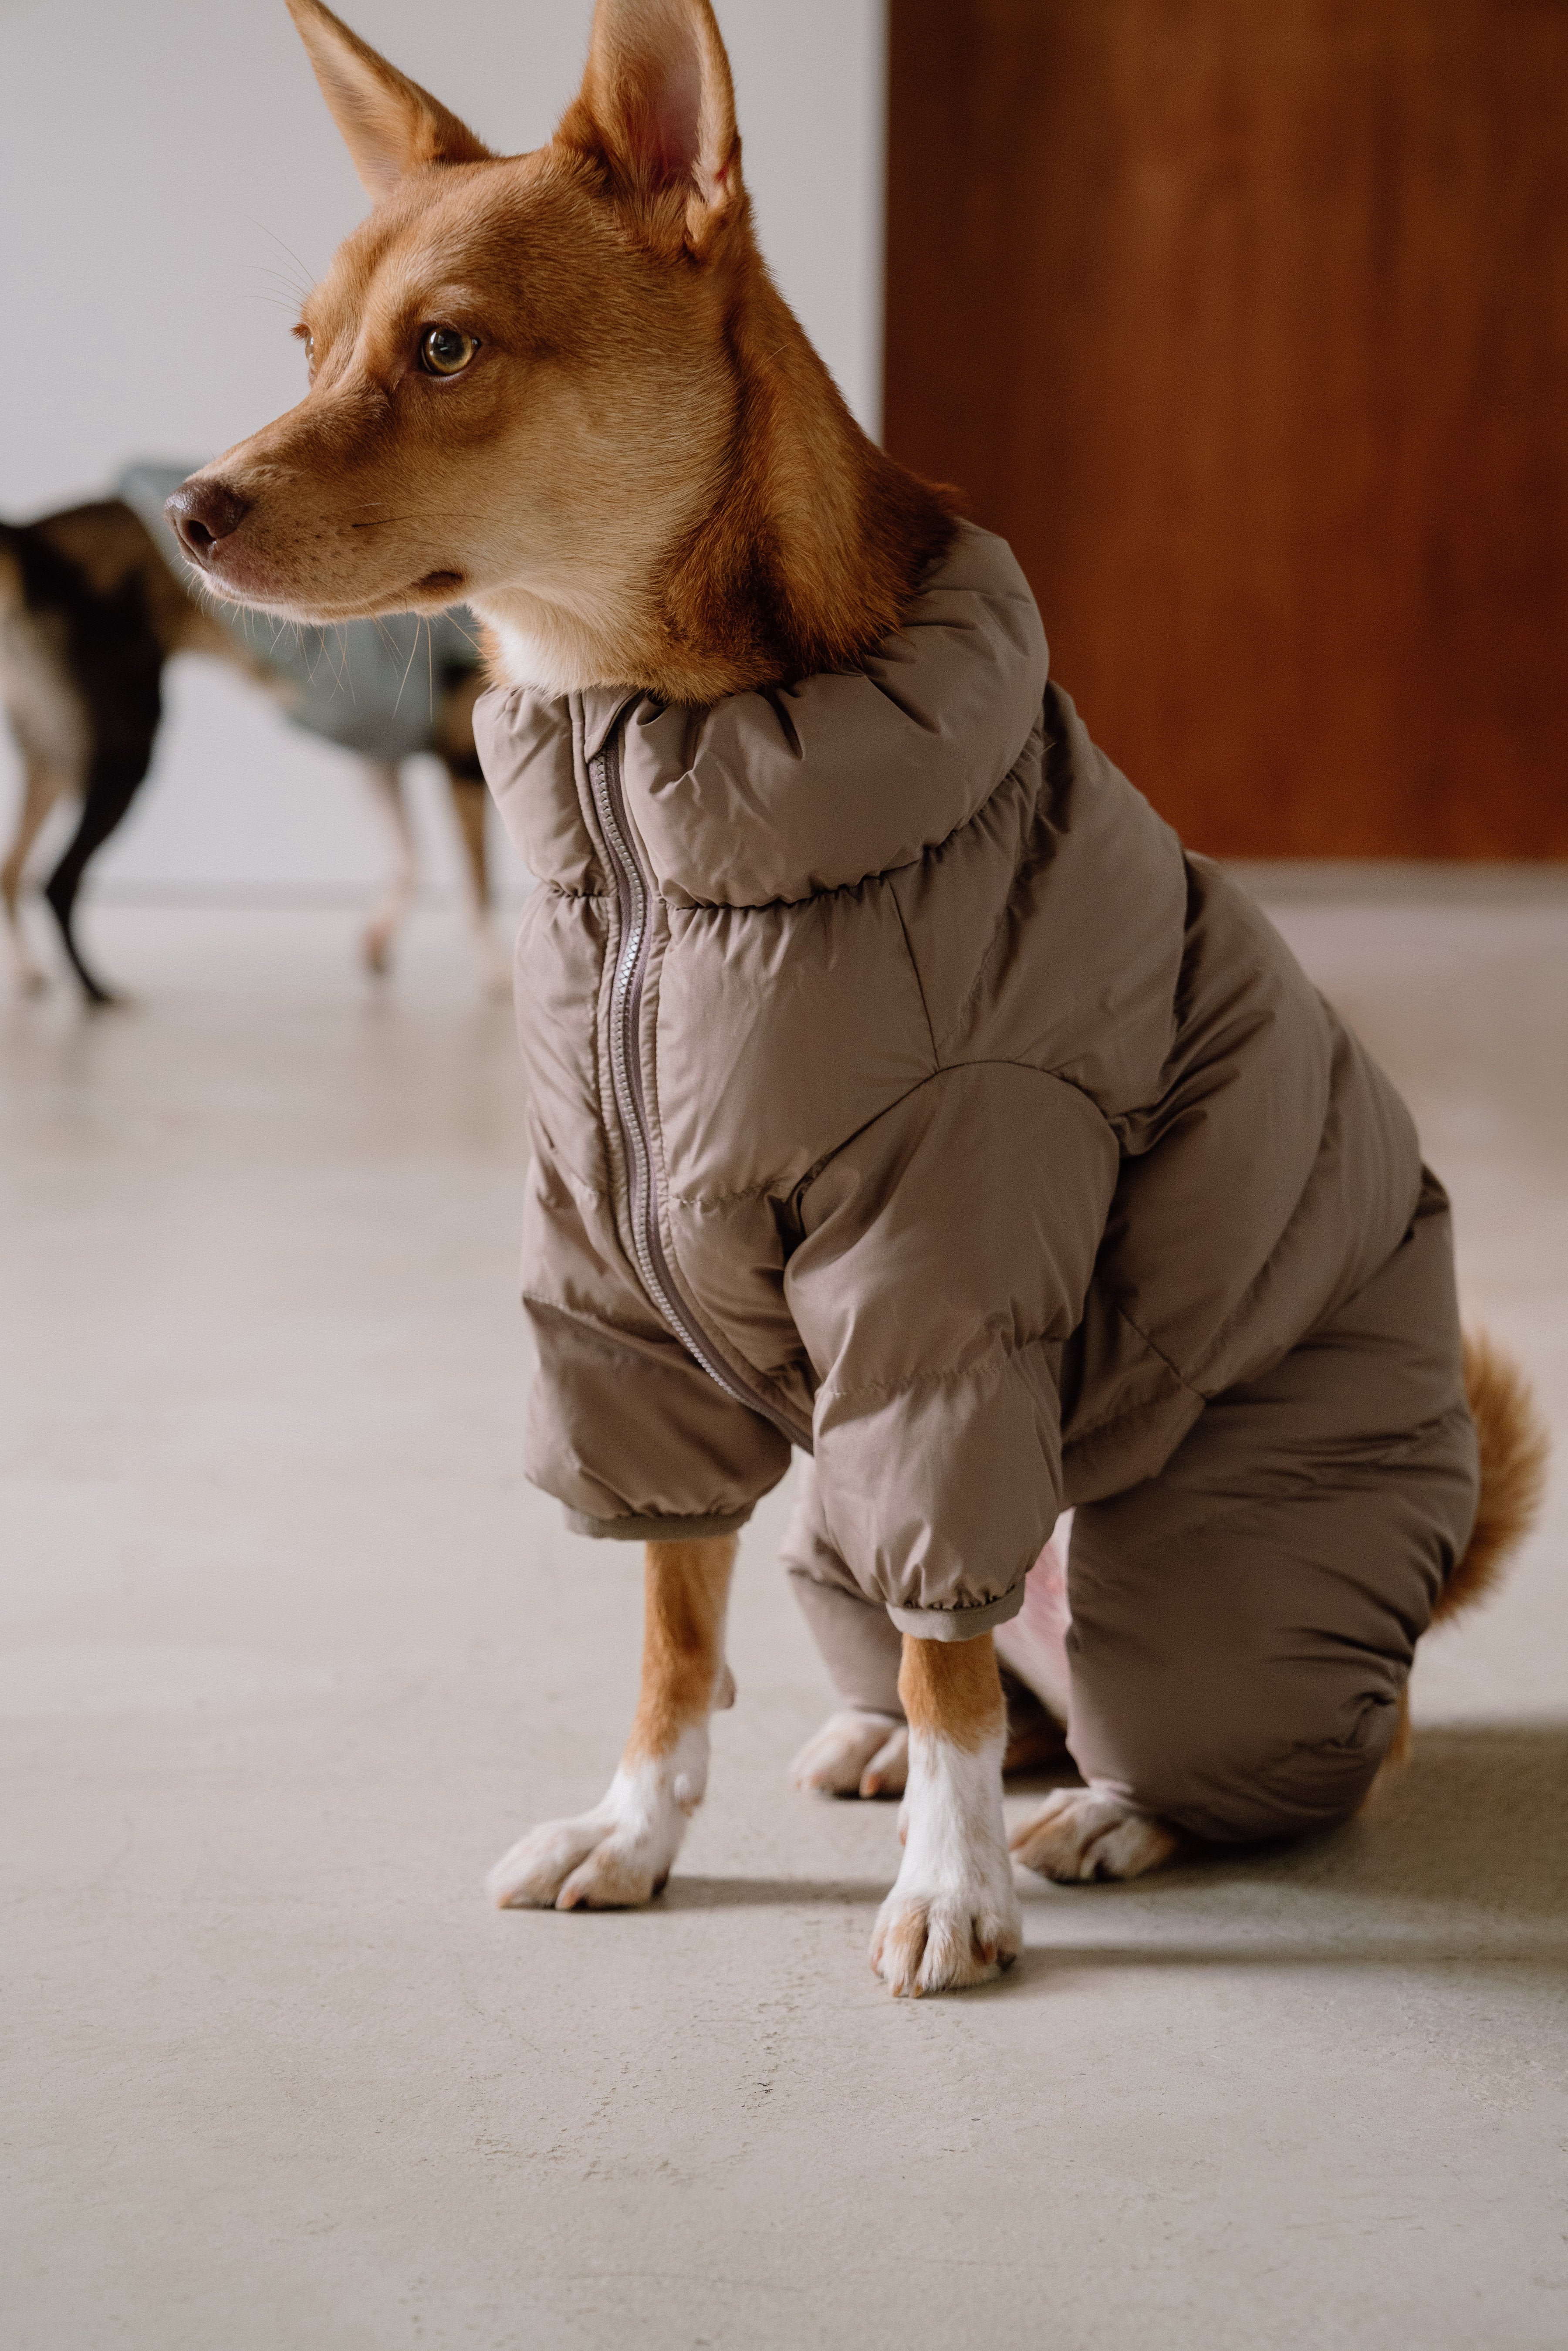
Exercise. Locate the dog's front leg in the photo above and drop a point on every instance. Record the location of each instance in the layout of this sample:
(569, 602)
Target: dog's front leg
(623, 1851)
(953, 1916)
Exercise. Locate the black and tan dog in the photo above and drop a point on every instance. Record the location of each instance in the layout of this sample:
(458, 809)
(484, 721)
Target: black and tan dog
(92, 606)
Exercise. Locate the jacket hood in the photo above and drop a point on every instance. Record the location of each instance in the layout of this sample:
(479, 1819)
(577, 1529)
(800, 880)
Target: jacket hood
(792, 790)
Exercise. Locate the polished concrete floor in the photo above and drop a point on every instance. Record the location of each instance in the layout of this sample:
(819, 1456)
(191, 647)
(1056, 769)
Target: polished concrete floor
(290, 1652)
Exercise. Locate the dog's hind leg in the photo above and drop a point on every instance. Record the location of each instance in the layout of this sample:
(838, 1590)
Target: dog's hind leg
(953, 1916)
(42, 785)
(623, 1851)
(1244, 1620)
(380, 934)
(1083, 1833)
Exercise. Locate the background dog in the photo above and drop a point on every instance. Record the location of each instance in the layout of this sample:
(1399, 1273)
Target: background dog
(93, 601)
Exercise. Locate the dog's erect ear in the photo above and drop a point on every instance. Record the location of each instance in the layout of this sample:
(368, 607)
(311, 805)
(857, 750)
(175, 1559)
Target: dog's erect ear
(389, 124)
(657, 107)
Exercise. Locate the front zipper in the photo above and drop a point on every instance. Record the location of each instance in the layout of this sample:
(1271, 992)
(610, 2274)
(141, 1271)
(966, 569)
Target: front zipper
(634, 886)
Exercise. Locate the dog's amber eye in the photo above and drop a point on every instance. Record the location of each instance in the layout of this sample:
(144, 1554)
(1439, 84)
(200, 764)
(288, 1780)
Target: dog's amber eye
(446, 350)
(310, 353)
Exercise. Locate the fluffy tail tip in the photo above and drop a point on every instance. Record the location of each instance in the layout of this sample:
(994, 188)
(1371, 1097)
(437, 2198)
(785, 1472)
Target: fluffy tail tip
(1513, 1445)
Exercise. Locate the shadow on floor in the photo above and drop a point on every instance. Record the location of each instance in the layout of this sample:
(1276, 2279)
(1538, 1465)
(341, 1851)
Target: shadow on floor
(770, 1893)
(1461, 1856)
(1478, 1820)
(1460, 1860)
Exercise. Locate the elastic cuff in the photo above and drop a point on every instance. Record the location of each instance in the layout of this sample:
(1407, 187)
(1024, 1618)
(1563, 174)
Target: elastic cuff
(958, 1624)
(657, 1530)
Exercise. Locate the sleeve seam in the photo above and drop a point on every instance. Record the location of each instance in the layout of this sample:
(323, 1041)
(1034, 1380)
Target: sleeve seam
(1004, 1360)
(818, 1167)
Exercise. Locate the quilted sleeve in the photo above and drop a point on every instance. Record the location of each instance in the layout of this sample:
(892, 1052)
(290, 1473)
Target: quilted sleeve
(623, 1427)
(945, 1256)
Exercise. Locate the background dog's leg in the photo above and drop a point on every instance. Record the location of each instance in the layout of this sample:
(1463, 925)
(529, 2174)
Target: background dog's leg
(385, 780)
(953, 1916)
(470, 800)
(115, 775)
(623, 1850)
(43, 785)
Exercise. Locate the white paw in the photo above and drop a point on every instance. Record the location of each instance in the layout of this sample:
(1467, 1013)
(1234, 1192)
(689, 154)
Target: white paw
(953, 1918)
(1084, 1833)
(855, 1754)
(616, 1855)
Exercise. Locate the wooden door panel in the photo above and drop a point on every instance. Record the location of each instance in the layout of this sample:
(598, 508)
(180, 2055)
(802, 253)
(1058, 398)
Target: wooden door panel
(1247, 322)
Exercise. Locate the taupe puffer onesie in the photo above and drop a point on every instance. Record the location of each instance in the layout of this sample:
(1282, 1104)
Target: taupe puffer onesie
(900, 1092)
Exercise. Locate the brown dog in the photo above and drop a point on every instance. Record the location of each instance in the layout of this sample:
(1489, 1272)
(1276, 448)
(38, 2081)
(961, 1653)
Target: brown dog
(562, 387)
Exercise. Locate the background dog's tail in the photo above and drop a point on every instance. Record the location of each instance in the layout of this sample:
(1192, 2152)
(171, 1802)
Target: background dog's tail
(1514, 1444)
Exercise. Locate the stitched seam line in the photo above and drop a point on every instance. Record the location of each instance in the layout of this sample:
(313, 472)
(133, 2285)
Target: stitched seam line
(580, 1192)
(723, 1199)
(1135, 1411)
(610, 1330)
(1119, 1419)
(919, 982)
(1048, 745)
(950, 1070)
(1008, 1357)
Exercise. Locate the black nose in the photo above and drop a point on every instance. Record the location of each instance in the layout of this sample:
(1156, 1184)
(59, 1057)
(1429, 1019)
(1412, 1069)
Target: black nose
(201, 513)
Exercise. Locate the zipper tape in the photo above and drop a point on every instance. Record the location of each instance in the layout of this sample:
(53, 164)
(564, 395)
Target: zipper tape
(633, 890)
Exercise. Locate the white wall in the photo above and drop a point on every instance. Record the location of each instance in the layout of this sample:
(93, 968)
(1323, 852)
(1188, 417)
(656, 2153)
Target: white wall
(170, 180)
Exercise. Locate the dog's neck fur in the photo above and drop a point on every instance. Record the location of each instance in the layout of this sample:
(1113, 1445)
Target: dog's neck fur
(802, 554)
